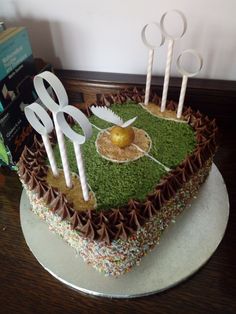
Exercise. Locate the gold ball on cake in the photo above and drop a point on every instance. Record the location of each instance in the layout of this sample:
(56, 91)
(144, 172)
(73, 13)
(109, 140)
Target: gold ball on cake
(122, 137)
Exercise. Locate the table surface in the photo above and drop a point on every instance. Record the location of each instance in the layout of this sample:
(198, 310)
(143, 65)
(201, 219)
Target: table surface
(25, 287)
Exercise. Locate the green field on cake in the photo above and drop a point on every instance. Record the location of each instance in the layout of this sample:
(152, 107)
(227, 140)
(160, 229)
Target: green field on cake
(114, 184)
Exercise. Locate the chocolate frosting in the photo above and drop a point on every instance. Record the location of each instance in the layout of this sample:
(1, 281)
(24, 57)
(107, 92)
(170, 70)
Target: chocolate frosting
(70, 120)
(65, 211)
(40, 170)
(38, 144)
(88, 230)
(32, 183)
(76, 221)
(58, 202)
(116, 216)
(50, 195)
(149, 209)
(123, 231)
(102, 218)
(171, 105)
(133, 204)
(41, 189)
(120, 223)
(135, 219)
(22, 168)
(105, 233)
(26, 176)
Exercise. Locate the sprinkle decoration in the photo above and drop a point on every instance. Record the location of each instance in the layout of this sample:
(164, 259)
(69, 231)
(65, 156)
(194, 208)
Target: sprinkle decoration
(120, 256)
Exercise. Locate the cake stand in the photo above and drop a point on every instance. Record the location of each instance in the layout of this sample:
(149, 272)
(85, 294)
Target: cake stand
(185, 246)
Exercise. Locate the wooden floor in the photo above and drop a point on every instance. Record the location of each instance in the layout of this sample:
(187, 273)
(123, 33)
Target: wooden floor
(25, 287)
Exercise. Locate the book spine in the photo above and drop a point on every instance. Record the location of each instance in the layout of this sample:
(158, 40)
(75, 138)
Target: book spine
(11, 85)
(14, 49)
(16, 63)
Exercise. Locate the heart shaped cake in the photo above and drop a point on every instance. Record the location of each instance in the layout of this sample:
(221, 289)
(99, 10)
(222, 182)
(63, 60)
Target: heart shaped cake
(140, 179)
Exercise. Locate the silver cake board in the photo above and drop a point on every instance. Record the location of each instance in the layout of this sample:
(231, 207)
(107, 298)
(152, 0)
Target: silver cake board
(185, 246)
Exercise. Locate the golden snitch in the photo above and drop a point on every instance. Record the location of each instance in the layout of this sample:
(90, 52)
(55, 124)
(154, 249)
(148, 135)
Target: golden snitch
(122, 134)
(122, 137)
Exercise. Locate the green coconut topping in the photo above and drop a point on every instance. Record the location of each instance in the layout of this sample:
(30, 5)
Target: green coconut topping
(114, 184)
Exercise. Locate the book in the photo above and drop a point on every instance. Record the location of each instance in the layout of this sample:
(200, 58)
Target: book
(15, 131)
(16, 63)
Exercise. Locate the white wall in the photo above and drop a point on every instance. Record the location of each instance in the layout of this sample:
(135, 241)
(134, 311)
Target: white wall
(104, 35)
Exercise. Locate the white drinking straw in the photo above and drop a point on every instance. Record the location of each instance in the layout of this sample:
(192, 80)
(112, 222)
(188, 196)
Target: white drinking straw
(149, 76)
(182, 96)
(150, 58)
(54, 107)
(33, 113)
(171, 41)
(167, 75)
(82, 175)
(185, 75)
(77, 139)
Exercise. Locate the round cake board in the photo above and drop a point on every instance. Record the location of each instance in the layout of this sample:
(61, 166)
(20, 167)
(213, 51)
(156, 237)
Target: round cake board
(185, 246)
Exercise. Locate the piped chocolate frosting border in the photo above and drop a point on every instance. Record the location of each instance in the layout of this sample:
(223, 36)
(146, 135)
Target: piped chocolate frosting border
(120, 223)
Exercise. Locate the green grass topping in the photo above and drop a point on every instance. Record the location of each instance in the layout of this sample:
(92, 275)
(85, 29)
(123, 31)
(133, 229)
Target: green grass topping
(114, 184)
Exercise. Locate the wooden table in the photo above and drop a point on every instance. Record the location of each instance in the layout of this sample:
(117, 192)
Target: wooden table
(25, 287)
